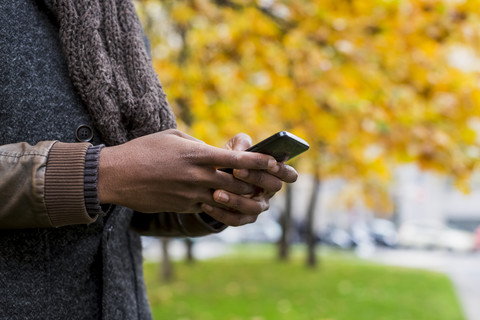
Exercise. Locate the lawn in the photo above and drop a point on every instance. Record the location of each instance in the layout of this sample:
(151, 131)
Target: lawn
(252, 285)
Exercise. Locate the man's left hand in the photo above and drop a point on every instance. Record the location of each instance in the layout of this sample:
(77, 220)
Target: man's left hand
(239, 209)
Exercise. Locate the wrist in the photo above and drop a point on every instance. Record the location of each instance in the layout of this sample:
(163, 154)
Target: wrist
(105, 175)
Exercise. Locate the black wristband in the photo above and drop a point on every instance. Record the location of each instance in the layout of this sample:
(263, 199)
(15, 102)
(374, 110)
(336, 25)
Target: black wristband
(92, 203)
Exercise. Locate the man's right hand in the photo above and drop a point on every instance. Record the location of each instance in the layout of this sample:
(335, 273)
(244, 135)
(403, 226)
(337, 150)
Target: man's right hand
(171, 171)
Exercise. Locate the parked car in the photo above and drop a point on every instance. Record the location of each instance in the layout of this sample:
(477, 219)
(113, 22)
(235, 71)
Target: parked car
(357, 235)
(337, 237)
(384, 232)
(435, 237)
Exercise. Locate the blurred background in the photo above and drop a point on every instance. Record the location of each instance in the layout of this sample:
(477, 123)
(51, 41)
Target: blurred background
(387, 93)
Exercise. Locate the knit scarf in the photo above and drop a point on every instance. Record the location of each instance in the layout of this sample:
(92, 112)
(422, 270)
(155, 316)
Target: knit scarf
(109, 65)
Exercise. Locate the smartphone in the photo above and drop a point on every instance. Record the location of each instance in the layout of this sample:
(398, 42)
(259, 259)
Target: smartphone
(283, 146)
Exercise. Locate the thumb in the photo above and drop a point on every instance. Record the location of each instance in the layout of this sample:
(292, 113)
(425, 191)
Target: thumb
(239, 142)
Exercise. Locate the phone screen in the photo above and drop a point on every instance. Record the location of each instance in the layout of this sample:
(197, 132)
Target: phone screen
(283, 146)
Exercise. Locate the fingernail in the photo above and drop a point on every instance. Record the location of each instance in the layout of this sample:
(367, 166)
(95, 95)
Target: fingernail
(276, 168)
(222, 197)
(241, 173)
(272, 164)
(207, 208)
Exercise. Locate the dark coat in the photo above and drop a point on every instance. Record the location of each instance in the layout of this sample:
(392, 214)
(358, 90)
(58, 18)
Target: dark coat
(89, 271)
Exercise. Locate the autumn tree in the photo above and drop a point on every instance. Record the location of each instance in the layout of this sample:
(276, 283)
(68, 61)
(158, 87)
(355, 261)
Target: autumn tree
(369, 84)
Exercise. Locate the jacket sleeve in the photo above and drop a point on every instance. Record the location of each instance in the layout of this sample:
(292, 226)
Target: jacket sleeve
(42, 185)
(175, 224)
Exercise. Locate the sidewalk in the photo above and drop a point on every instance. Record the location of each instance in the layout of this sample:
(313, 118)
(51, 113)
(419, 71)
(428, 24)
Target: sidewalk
(463, 270)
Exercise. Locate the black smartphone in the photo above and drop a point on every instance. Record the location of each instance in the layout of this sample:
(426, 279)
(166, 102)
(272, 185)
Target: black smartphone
(283, 146)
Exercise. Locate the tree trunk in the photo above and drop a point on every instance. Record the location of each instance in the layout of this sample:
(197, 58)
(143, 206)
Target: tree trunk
(285, 223)
(189, 246)
(310, 221)
(167, 268)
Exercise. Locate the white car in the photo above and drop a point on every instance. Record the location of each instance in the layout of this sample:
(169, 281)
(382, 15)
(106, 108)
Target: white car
(435, 237)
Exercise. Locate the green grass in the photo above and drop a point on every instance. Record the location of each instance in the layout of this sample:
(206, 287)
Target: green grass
(252, 285)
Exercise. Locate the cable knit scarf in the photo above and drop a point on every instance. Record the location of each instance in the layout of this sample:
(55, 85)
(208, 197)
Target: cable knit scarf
(111, 69)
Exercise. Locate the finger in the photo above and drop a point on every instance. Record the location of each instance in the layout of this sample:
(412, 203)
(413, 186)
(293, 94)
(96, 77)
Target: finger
(285, 172)
(228, 217)
(259, 178)
(221, 158)
(240, 142)
(228, 182)
(243, 205)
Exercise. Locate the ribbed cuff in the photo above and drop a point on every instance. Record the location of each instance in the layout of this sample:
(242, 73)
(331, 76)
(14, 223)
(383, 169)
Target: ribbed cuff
(92, 203)
(64, 184)
(217, 225)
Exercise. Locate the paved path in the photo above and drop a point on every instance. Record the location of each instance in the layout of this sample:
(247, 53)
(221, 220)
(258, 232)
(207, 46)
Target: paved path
(463, 269)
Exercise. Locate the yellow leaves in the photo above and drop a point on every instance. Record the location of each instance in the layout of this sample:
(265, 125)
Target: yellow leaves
(260, 25)
(367, 83)
(250, 23)
(182, 13)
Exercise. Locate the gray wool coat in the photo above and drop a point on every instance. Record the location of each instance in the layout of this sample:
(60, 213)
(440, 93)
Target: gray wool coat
(83, 271)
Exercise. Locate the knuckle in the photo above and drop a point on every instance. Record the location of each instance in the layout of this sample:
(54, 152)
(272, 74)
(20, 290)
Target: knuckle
(235, 223)
(277, 186)
(174, 132)
(221, 216)
(236, 203)
(261, 161)
(247, 188)
(266, 206)
(263, 205)
(259, 208)
(208, 154)
(244, 138)
(189, 156)
(235, 159)
(242, 220)
(259, 178)
(196, 153)
(249, 220)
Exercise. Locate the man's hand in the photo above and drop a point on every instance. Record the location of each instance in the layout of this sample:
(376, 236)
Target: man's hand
(238, 209)
(170, 171)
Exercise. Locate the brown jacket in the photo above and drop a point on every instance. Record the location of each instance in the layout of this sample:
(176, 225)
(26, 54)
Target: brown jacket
(42, 186)
(23, 185)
